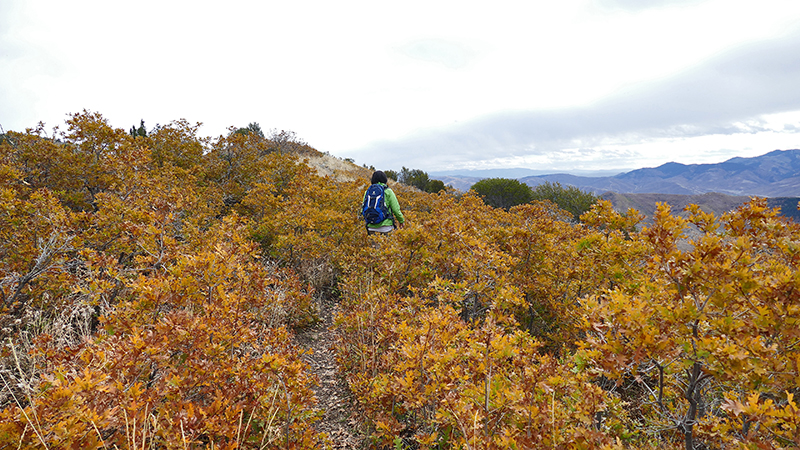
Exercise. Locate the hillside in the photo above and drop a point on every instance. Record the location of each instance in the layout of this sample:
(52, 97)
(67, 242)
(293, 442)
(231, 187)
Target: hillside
(775, 174)
(336, 168)
(712, 202)
(166, 291)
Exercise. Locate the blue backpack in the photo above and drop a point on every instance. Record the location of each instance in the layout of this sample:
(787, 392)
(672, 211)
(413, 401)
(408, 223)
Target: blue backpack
(374, 209)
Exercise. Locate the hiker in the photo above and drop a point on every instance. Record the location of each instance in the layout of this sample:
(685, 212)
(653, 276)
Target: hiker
(380, 209)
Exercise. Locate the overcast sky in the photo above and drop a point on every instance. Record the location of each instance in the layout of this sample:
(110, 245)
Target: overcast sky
(558, 85)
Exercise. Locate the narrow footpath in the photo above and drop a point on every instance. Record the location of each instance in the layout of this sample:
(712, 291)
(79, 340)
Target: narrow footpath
(339, 421)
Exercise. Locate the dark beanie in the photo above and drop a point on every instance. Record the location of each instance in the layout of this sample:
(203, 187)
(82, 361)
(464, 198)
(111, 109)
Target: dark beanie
(379, 177)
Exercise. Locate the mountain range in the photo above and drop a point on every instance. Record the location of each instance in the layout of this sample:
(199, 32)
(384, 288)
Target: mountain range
(775, 174)
(715, 188)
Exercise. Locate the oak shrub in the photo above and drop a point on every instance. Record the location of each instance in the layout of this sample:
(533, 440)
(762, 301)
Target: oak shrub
(151, 286)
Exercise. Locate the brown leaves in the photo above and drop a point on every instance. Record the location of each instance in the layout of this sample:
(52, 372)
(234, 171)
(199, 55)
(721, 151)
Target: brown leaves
(180, 266)
(192, 346)
(708, 306)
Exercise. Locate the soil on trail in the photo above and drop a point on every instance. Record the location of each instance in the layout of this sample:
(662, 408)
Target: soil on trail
(340, 421)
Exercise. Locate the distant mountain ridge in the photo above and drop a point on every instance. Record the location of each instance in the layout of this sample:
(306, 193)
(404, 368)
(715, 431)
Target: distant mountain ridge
(464, 179)
(515, 172)
(775, 174)
(712, 202)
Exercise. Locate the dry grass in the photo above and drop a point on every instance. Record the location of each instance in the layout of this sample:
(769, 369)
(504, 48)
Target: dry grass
(64, 327)
(337, 169)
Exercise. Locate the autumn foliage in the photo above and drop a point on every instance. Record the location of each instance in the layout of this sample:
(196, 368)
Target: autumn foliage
(151, 284)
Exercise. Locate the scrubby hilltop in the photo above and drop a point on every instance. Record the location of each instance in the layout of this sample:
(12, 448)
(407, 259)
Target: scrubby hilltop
(154, 286)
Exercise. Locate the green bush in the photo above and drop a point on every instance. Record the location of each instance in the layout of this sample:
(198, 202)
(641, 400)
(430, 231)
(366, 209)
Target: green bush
(503, 192)
(417, 178)
(569, 198)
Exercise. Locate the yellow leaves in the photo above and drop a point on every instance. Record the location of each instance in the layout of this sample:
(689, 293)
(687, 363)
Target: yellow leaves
(427, 440)
(791, 405)
(603, 215)
(200, 264)
(781, 418)
(407, 380)
(187, 304)
(174, 359)
(708, 305)
(89, 381)
(739, 354)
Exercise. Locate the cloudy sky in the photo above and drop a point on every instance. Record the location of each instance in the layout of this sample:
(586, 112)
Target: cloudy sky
(560, 86)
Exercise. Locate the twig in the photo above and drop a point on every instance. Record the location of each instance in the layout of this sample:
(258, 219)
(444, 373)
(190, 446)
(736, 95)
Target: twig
(22, 438)
(250, 419)
(127, 428)
(553, 416)
(239, 428)
(28, 419)
(183, 435)
(271, 419)
(145, 427)
(99, 435)
(30, 399)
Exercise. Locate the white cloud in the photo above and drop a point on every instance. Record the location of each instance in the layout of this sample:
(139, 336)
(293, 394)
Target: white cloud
(748, 92)
(423, 84)
(447, 53)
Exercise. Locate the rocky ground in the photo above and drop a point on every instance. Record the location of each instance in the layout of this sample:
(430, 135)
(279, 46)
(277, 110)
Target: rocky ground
(337, 169)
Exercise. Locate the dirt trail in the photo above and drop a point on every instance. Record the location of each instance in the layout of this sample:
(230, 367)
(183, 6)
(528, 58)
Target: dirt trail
(339, 421)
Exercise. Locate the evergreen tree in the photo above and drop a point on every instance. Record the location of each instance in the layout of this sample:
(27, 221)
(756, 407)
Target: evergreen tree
(138, 132)
(252, 127)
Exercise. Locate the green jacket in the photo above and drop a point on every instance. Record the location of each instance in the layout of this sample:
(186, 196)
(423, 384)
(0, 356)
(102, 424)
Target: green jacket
(392, 204)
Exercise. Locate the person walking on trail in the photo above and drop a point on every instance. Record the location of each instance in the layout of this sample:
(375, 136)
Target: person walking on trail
(381, 209)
